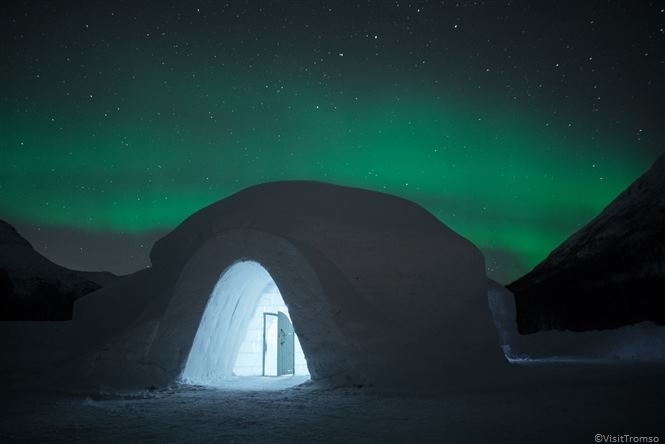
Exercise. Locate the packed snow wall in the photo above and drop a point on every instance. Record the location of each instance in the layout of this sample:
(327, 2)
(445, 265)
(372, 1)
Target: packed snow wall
(379, 291)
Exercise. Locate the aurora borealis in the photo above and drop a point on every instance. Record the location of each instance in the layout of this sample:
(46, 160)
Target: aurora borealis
(513, 122)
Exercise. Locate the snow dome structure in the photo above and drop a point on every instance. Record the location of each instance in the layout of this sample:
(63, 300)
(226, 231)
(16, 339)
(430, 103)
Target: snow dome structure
(378, 290)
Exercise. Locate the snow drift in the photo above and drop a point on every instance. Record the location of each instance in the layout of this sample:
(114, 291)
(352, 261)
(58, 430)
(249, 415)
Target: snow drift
(379, 291)
(640, 343)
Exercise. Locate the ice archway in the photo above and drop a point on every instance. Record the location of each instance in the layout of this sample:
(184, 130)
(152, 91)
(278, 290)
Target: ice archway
(379, 291)
(234, 312)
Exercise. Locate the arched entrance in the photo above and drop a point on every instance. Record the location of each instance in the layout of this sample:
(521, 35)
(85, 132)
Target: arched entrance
(245, 330)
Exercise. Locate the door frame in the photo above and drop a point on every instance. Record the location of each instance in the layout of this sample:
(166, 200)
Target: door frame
(265, 343)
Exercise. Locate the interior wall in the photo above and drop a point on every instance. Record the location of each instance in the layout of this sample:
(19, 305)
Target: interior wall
(249, 361)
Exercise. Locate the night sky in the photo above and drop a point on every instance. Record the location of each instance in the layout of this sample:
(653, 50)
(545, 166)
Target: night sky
(513, 122)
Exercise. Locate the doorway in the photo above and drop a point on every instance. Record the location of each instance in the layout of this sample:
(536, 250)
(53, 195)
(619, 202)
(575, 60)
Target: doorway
(278, 345)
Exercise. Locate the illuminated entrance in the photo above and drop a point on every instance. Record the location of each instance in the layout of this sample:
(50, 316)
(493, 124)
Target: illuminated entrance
(245, 330)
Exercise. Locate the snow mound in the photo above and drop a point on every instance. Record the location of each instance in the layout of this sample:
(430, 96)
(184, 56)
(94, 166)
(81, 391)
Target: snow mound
(643, 342)
(379, 291)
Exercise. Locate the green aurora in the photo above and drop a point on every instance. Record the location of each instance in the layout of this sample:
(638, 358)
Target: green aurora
(513, 130)
(503, 179)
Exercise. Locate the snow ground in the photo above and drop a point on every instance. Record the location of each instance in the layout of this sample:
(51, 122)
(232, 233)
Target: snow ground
(610, 399)
(595, 389)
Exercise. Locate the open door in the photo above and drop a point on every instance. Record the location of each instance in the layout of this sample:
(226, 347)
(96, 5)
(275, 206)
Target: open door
(278, 345)
(285, 349)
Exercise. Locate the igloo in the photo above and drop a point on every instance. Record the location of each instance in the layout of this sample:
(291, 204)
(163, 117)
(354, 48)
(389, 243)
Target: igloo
(378, 290)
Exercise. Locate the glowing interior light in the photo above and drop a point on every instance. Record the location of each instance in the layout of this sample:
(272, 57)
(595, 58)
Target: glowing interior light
(230, 340)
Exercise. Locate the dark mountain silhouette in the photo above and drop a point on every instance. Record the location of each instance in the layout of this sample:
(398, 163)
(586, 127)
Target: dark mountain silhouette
(610, 273)
(34, 288)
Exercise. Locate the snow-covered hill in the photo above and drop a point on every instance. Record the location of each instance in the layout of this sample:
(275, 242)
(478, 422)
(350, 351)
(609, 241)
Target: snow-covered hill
(608, 274)
(32, 287)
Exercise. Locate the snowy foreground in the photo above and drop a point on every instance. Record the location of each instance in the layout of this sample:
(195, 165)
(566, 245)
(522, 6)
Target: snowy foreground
(605, 399)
